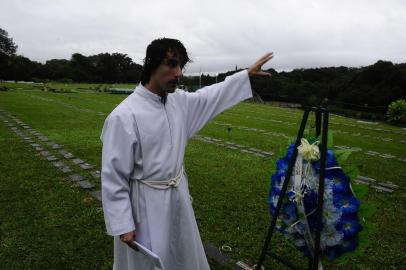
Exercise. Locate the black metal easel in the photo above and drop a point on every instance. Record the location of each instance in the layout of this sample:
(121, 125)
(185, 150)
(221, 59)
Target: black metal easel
(321, 119)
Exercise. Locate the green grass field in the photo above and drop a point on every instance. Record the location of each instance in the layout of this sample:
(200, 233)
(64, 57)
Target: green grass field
(46, 222)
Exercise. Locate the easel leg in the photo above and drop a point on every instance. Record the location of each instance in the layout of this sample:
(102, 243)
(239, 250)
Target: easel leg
(283, 191)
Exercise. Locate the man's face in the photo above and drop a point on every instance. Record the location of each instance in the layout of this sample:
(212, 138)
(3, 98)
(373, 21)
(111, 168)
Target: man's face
(168, 74)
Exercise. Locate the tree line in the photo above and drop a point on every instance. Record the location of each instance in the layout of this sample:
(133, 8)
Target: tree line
(374, 86)
(363, 88)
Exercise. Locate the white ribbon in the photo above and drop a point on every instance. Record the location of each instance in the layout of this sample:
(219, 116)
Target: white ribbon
(300, 180)
(309, 152)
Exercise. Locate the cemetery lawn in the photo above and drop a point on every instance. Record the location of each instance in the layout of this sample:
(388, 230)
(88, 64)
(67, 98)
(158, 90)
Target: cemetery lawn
(44, 222)
(48, 222)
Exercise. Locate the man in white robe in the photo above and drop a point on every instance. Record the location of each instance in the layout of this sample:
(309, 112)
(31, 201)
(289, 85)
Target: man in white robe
(145, 192)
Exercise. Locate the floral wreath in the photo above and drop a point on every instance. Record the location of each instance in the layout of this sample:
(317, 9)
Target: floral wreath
(297, 217)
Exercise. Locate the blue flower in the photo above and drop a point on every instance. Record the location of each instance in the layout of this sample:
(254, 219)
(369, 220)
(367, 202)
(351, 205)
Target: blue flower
(276, 189)
(331, 159)
(273, 199)
(290, 151)
(349, 226)
(291, 195)
(347, 203)
(349, 244)
(289, 212)
(276, 181)
(282, 166)
(334, 172)
(341, 182)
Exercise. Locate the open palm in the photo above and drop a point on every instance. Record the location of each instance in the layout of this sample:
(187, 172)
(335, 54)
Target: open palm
(255, 69)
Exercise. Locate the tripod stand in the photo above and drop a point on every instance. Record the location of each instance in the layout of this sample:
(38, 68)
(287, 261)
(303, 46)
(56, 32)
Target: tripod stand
(322, 116)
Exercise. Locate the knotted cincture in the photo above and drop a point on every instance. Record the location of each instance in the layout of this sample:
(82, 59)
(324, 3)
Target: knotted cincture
(156, 184)
(172, 183)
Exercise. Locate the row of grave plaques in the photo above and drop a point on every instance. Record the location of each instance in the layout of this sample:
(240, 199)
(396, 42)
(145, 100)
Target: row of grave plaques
(379, 186)
(280, 134)
(43, 148)
(334, 123)
(386, 187)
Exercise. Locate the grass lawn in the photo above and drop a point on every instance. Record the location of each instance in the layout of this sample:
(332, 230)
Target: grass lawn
(44, 222)
(47, 222)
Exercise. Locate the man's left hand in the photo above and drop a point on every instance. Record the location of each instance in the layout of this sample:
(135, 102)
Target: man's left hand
(255, 69)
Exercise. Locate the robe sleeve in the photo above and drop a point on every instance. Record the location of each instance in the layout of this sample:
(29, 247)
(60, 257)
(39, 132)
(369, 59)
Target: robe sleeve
(117, 164)
(209, 101)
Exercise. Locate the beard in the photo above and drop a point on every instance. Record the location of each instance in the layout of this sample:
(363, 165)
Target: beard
(171, 86)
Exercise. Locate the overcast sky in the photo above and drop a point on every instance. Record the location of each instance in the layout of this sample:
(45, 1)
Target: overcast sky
(218, 34)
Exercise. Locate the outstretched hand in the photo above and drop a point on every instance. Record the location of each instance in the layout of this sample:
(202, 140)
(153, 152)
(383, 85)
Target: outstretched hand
(255, 69)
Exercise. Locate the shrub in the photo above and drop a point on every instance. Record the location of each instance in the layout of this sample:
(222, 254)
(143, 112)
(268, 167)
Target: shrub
(397, 111)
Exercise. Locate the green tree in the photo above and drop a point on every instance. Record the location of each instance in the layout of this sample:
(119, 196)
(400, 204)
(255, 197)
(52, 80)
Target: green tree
(7, 45)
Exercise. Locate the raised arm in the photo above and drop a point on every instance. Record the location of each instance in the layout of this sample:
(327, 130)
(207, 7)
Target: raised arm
(209, 101)
(206, 103)
(117, 165)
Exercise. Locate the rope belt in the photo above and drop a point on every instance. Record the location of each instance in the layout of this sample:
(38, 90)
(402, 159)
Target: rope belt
(156, 184)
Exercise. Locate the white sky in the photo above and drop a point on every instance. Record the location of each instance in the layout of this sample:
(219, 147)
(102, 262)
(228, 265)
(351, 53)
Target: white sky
(217, 34)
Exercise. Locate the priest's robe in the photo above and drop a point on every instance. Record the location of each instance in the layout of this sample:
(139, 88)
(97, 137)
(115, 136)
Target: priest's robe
(143, 138)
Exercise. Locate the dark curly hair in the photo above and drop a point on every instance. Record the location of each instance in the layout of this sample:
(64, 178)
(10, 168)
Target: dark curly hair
(156, 53)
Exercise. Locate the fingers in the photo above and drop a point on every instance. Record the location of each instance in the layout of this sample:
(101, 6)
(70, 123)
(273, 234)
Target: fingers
(129, 242)
(264, 59)
(263, 73)
(133, 246)
(266, 55)
(255, 69)
(128, 239)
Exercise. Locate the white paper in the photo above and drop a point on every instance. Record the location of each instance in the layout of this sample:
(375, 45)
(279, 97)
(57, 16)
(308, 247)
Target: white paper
(151, 255)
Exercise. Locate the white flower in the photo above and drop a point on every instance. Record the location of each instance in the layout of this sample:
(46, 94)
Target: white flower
(330, 237)
(331, 214)
(275, 200)
(313, 182)
(309, 151)
(328, 191)
(280, 183)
